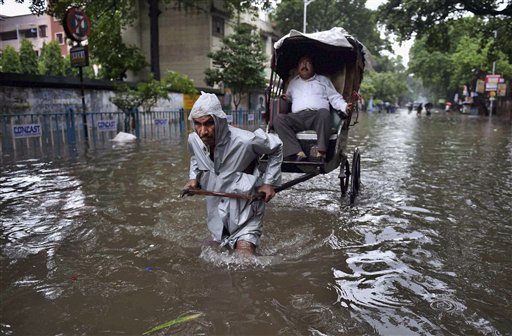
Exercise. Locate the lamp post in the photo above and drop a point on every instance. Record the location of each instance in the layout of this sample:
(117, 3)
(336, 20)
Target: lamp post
(18, 36)
(306, 3)
(491, 104)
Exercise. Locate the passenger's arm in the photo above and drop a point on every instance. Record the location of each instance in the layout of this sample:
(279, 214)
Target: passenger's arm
(335, 98)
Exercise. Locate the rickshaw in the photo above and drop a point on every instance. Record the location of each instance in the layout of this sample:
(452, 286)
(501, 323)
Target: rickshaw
(340, 57)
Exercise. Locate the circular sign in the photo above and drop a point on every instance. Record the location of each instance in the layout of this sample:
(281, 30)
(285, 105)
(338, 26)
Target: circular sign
(77, 24)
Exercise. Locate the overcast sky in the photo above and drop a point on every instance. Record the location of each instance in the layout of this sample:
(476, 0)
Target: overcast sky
(11, 8)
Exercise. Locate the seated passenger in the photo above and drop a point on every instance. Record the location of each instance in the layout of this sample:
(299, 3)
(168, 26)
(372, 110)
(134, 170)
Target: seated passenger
(310, 95)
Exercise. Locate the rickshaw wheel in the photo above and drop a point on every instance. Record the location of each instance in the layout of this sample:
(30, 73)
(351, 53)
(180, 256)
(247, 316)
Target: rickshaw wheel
(355, 182)
(344, 177)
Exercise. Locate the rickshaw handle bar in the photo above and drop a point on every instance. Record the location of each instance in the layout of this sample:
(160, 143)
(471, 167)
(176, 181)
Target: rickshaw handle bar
(221, 194)
(251, 198)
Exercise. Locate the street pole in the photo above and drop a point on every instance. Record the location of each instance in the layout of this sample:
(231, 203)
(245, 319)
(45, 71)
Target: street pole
(306, 3)
(305, 14)
(18, 36)
(84, 115)
(491, 105)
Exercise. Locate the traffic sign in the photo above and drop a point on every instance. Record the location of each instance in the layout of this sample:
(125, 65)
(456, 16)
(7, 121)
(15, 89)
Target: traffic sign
(491, 82)
(77, 24)
(79, 56)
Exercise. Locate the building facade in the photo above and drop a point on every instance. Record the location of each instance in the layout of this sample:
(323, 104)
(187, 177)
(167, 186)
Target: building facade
(185, 38)
(37, 29)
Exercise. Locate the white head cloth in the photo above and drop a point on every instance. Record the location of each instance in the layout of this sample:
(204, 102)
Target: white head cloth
(207, 104)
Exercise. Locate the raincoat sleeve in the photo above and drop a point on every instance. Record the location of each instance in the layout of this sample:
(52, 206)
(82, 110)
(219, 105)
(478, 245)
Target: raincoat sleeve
(194, 170)
(271, 145)
(192, 148)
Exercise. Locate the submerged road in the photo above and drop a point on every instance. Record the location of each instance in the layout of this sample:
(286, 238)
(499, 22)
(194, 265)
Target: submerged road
(102, 243)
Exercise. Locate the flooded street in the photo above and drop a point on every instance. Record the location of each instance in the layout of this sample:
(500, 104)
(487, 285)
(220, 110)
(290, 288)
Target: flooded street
(101, 243)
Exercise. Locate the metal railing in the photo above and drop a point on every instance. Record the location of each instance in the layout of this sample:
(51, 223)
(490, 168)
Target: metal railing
(28, 131)
(18, 131)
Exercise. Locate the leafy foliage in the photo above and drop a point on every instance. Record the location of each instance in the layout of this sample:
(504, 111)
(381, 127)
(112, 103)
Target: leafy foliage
(179, 83)
(435, 20)
(109, 50)
(109, 18)
(390, 86)
(28, 58)
(406, 17)
(10, 60)
(469, 56)
(126, 98)
(146, 94)
(106, 46)
(51, 62)
(239, 63)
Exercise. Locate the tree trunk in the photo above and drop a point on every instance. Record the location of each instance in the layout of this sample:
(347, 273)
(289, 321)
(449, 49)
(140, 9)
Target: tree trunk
(237, 98)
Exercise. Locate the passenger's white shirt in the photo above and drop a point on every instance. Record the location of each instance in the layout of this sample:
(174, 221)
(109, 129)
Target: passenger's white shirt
(313, 94)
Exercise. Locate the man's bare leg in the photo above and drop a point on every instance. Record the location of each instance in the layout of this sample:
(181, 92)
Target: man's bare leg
(245, 248)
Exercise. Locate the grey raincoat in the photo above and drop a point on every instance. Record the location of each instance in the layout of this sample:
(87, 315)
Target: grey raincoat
(233, 171)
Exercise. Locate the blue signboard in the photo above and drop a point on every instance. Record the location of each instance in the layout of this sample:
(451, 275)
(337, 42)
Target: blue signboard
(107, 125)
(161, 122)
(26, 131)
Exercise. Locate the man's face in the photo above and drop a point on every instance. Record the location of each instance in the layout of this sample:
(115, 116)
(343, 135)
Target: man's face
(205, 128)
(306, 70)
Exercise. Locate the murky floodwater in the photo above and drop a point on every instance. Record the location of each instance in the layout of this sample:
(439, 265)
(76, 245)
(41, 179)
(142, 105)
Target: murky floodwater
(100, 244)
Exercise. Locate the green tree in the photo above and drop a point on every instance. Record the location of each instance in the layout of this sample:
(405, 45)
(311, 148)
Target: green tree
(408, 17)
(179, 83)
(40, 7)
(434, 19)
(468, 56)
(126, 99)
(150, 92)
(51, 62)
(28, 58)
(109, 50)
(386, 86)
(146, 94)
(10, 61)
(239, 64)
(432, 67)
(109, 18)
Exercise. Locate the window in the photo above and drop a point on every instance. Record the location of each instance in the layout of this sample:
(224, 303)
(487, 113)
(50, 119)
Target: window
(9, 35)
(42, 31)
(60, 38)
(30, 33)
(217, 26)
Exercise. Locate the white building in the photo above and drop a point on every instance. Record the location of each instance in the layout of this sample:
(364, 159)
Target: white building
(37, 29)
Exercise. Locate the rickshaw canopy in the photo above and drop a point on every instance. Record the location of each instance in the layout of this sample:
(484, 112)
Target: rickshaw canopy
(331, 51)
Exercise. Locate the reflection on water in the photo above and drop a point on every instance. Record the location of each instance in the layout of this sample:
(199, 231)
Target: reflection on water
(100, 242)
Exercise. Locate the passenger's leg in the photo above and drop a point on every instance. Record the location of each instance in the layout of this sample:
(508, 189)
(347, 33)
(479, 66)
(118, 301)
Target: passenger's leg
(322, 126)
(286, 126)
